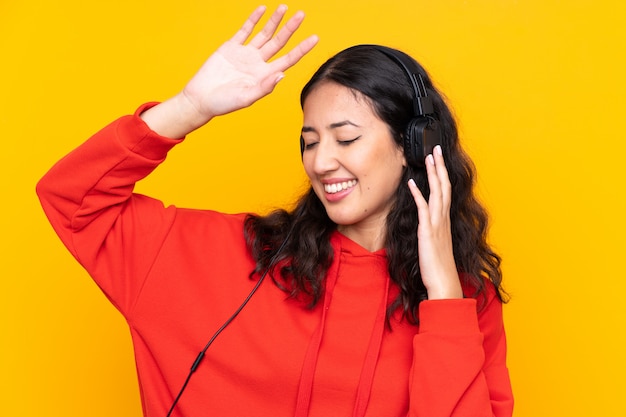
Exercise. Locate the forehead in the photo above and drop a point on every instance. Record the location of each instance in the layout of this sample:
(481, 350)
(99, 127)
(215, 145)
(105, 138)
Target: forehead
(329, 102)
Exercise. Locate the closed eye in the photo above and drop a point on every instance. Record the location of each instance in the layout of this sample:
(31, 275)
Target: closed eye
(348, 142)
(309, 146)
(340, 142)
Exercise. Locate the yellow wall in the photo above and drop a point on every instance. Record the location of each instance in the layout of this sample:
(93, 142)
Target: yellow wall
(538, 86)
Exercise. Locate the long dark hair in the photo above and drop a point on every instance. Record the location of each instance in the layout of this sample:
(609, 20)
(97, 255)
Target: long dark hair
(307, 254)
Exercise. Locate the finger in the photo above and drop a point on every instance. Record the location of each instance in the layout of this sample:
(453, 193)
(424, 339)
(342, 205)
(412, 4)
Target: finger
(267, 85)
(435, 199)
(278, 67)
(423, 212)
(248, 26)
(270, 27)
(276, 43)
(290, 59)
(444, 180)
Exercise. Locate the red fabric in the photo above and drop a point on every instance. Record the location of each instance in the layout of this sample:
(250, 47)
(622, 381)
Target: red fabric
(178, 274)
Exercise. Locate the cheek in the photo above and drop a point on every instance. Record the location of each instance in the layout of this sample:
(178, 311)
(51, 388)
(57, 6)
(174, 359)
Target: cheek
(389, 175)
(308, 168)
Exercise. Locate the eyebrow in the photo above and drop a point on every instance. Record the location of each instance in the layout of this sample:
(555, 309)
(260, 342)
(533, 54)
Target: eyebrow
(330, 126)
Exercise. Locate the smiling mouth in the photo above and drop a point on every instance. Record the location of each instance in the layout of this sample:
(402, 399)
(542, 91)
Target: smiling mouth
(339, 186)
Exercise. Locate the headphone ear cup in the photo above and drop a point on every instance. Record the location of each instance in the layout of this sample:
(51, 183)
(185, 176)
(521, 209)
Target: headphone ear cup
(413, 142)
(421, 136)
(431, 136)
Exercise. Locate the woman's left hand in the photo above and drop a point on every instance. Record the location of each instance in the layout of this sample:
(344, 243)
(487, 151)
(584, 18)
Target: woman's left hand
(436, 257)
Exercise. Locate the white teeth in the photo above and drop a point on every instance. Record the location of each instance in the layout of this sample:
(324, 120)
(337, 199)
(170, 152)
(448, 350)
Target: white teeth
(339, 186)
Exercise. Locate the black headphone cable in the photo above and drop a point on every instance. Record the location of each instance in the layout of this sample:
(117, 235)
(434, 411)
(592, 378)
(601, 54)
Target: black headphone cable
(200, 356)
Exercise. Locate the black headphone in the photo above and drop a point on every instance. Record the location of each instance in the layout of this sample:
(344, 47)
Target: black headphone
(422, 133)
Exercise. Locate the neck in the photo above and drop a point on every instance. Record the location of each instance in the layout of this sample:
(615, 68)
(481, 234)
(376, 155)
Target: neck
(371, 238)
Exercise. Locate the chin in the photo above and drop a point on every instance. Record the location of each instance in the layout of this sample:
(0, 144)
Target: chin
(342, 219)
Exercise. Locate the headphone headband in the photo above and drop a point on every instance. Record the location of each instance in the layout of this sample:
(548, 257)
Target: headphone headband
(422, 104)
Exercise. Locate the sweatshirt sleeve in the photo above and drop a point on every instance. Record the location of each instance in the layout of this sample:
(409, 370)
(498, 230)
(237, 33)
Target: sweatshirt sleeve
(89, 201)
(459, 361)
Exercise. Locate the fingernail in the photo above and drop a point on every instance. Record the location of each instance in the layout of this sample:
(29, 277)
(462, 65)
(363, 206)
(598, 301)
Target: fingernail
(280, 77)
(438, 150)
(430, 159)
(412, 182)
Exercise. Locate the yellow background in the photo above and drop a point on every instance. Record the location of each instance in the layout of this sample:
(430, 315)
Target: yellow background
(538, 87)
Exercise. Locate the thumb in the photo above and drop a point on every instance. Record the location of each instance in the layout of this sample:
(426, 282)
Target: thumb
(268, 84)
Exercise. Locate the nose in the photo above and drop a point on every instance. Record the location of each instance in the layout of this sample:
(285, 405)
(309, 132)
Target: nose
(324, 156)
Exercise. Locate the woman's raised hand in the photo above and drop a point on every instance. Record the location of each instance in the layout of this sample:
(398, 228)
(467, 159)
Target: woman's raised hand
(234, 77)
(436, 256)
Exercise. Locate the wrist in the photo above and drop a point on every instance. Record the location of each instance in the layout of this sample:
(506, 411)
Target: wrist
(174, 118)
(452, 290)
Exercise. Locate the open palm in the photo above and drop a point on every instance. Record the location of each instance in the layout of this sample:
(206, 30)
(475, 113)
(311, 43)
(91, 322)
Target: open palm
(239, 74)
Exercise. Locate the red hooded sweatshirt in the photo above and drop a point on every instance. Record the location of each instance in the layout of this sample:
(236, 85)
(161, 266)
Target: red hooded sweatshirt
(178, 274)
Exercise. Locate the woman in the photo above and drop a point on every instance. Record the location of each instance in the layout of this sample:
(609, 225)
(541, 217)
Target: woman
(371, 312)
